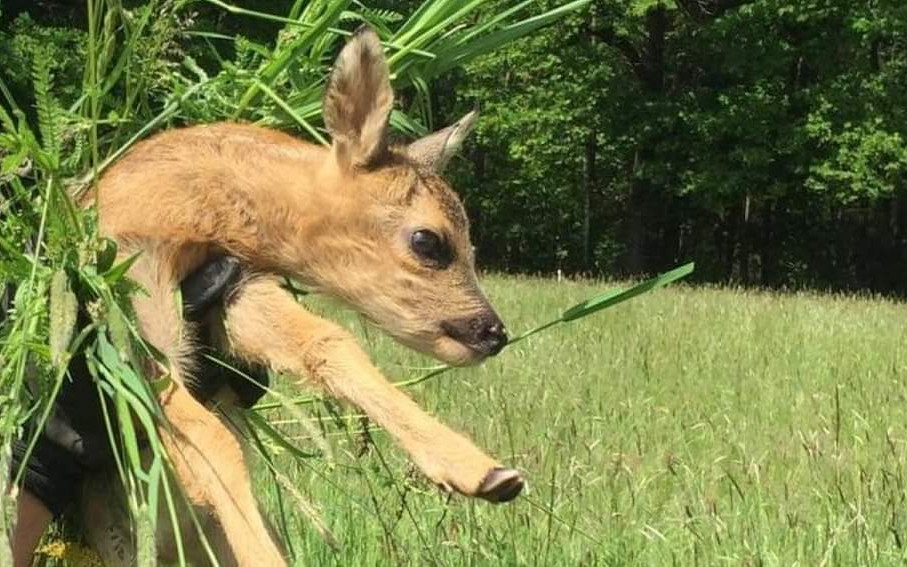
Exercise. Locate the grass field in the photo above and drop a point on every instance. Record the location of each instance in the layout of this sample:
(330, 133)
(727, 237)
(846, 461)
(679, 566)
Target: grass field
(689, 426)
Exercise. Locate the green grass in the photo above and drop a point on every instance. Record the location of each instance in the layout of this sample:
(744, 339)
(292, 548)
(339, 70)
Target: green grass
(689, 426)
(73, 99)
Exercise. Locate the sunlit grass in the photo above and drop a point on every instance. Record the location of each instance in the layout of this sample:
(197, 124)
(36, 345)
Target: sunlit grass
(138, 77)
(690, 425)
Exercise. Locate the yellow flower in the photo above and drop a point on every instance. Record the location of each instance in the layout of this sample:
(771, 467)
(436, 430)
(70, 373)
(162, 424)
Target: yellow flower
(70, 553)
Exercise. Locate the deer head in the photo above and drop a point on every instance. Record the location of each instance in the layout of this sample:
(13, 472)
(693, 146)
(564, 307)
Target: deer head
(398, 250)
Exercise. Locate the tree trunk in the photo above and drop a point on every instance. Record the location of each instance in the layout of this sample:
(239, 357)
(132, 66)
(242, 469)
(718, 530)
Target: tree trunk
(744, 239)
(588, 186)
(635, 224)
(486, 245)
(670, 234)
(769, 275)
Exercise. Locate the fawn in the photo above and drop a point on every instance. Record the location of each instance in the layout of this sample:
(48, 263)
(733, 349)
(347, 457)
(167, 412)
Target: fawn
(371, 224)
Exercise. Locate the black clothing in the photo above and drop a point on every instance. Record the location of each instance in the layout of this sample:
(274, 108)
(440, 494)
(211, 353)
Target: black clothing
(75, 440)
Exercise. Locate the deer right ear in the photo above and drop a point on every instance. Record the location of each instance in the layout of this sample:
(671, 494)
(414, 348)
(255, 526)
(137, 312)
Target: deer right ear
(358, 101)
(434, 151)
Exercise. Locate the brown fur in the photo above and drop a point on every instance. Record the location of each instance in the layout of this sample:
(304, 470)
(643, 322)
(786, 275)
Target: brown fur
(336, 219)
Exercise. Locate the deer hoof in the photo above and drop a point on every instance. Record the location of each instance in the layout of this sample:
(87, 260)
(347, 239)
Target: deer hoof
(501, 485)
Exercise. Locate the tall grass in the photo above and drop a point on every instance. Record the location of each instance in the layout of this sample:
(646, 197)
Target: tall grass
(694, 426)
(146, 68)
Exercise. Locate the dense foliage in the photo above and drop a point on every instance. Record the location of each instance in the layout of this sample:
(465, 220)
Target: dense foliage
(80, 82)
(763, 138)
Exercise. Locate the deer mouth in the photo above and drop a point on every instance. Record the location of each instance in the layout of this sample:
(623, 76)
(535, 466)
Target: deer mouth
(483, 334)
(475, 352)
(459, 342)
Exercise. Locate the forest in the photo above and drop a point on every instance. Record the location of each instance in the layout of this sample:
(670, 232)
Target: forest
(763, 139)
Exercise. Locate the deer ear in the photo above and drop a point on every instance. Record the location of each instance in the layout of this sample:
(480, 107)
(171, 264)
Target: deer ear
(358, 101)
(435, 150)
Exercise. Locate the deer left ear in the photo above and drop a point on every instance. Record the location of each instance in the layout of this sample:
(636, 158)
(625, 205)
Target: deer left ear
(358, 101)
(434, 151)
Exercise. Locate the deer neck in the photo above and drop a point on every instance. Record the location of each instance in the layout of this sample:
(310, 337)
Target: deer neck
(309, 223)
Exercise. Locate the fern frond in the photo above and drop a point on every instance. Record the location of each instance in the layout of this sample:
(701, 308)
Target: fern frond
(373, 15)
(50, 116)
(73, 159)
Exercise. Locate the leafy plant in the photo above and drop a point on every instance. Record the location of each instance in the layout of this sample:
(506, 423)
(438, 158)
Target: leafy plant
(153, 65)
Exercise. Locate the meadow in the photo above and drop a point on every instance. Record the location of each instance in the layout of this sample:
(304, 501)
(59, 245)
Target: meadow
(690, 426)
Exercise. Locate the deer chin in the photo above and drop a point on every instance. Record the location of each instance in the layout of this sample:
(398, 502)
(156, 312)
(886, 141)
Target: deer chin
(442, 347)
(437, 344)
(456, 353)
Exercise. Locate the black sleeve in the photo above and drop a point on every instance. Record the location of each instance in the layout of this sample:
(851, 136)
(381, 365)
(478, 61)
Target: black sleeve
(74, 439)
(203, 290)
(51, 474)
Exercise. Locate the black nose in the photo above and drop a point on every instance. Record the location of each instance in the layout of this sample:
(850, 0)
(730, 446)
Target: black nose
(494, 337)
(483, 333)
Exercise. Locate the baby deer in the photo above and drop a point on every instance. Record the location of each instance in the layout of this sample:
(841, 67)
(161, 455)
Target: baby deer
(371, 224)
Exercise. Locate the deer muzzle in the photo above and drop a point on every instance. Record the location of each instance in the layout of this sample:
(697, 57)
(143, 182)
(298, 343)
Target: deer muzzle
(483, 333)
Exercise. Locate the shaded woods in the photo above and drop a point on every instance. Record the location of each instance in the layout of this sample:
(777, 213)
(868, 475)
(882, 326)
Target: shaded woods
(763, 139)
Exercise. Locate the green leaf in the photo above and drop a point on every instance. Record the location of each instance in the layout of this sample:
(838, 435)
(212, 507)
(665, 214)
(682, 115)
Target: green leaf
(107, 255)
(146, 547)
(116, 273)
(160, 384)
(278, 438)
(63, 310)
(613, 297)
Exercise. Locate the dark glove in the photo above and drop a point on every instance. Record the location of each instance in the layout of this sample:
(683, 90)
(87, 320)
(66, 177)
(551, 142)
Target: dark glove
(204, 290)
(208, 285)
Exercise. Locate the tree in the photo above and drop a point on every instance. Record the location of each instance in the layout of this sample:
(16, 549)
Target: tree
(762, 138)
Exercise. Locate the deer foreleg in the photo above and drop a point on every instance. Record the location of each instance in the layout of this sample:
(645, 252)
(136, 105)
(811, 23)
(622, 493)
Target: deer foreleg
(209, 463)
(207, 455)
(264, 324)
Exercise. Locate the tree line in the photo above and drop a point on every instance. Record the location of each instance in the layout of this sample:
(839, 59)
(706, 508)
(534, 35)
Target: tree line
(764, 139)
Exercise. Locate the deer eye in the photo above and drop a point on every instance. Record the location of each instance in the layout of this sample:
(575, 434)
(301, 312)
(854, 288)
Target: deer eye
(430, 248)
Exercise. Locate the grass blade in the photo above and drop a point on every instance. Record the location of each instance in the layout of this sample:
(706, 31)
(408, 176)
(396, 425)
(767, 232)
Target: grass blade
(612, 298)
